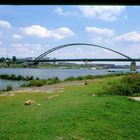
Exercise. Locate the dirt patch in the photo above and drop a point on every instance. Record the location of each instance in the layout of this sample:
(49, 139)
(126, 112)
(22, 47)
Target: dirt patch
(8, 93)
(55, 88)
(50, 88)
(135, 98)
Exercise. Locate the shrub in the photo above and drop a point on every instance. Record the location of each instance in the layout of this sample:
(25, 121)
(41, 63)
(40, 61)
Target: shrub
(127, 86)
(89, 77)
(134, 78)
(70, 79)
(121, 89)
(31, 78)
(9, 87)
(12, 77)
(100, 76)
(37, 83)
(53, 80)
(19, 77)
(80, 78)
(27, 78)
(37, 78)
(86, 83)
(4, 76)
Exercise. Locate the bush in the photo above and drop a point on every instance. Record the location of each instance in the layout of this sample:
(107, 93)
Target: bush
(89, 77)
(130, 79)
(19, 77)
(86, 83)
(14, 77)
(4, 76)
(121, 89)
(127, 86)
(31, 78)
(80, 78)
(9, 87)
(70, 79)
(37, 78)
(53, 80)
(37, 83)
(27, 78)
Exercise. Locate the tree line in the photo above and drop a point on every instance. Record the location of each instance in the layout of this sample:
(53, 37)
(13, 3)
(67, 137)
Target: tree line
(5, 59)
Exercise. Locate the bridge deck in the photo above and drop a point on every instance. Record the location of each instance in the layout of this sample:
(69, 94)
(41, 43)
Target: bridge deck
(86, 60)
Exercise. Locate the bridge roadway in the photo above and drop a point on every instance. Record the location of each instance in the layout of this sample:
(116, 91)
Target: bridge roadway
(86, 60)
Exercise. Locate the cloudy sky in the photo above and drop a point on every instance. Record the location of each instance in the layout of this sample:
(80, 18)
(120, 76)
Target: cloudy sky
(30, 30)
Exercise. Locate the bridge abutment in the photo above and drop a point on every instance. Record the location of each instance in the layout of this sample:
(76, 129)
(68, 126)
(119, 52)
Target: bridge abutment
(133, 66)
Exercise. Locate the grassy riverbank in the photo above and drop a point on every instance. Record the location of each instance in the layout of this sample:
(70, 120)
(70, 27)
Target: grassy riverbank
(12, 65)
(74, 114)
(35, 81)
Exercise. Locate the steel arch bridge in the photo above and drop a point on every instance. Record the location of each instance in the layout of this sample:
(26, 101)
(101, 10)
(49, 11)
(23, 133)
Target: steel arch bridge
(38, 59)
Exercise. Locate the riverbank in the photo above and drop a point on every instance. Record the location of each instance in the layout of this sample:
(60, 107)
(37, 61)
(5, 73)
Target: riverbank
(30, 81)
(59, 87)
(72, 110)
(128, 85)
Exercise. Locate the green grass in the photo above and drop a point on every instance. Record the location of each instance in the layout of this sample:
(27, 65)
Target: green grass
(73, 115)
(12, 65)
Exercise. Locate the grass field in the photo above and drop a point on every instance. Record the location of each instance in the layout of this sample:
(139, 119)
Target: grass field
(73, 115)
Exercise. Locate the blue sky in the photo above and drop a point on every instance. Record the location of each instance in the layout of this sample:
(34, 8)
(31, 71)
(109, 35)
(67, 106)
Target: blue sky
(30, 30)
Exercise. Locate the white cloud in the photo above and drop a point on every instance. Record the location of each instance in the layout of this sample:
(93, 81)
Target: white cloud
(5, 24)
(106, 13)
(61, 12)
(16, 36)
(130, 36)
(100, 31)
(1, 42)
(20, 46)
(42, 32)
(37, 47)
(101, 36)
(127, 43)
(26, 49)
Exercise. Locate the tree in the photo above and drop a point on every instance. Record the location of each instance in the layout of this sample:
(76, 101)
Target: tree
(14, 58)
(2, 59)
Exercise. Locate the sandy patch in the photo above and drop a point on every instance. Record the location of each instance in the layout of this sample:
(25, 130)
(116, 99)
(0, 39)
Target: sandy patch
(135, 98)
(55, 88)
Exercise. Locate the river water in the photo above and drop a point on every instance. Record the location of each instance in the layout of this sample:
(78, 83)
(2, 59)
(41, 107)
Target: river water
(49, 73)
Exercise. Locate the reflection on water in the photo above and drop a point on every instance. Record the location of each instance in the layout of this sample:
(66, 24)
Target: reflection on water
(14, 84)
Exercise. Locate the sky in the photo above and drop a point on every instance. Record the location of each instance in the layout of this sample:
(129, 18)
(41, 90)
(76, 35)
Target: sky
(28, 31)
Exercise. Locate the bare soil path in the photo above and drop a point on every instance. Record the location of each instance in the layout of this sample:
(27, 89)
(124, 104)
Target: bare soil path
(46, 88)
(135, 98)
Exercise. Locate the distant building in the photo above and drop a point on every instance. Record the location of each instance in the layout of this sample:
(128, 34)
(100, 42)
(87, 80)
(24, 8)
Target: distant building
(29, 58)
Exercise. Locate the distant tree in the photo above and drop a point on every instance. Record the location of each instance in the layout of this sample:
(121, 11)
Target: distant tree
(7, 59)
(14, 58)
(2, 59)
(8, 63)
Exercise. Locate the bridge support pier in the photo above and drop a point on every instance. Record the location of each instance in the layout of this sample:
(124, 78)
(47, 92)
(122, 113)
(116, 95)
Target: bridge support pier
(133, 66)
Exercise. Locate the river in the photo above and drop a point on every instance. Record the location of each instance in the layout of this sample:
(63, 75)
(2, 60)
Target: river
(49, 73)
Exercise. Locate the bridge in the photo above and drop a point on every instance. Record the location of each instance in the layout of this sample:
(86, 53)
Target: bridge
(125, 59)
